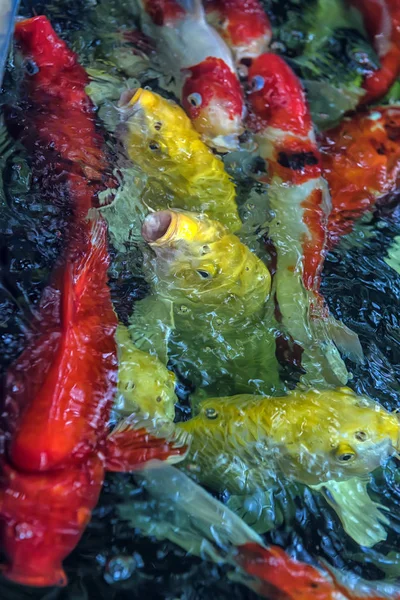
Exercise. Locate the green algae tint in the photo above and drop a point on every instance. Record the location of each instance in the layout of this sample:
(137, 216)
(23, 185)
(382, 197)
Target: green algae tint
(360, 283)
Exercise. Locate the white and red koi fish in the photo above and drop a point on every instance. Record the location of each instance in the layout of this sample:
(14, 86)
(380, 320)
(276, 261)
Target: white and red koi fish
(382, 21)
(300, 203)
(243, 24)
(202, 66)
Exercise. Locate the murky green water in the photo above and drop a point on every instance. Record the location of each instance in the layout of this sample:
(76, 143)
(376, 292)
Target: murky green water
(113, 561)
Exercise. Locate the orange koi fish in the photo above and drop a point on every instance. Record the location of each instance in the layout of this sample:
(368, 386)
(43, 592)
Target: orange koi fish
(243, 24)
(382, 21)
(300, 204)
(361, 162)
(55, 441)
(202, 66)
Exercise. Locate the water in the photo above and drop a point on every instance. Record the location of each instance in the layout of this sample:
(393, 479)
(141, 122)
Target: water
(113, 561)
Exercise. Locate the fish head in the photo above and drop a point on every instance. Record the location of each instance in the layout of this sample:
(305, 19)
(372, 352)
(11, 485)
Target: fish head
(154, 130)
(199, 259)
(243, 26)
(276, 97)
(338, 435)
(213, 99)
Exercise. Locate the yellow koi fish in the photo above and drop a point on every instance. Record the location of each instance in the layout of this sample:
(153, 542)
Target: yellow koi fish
(327, 440)
(145, 386)
(215, 287)
(183, 172)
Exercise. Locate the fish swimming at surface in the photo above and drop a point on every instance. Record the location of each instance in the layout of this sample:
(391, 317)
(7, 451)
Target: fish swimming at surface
(203, 68)
(183, 172)
(215, 286)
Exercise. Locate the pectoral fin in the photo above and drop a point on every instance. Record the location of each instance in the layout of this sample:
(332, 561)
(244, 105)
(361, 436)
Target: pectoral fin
(133, 443)
(361, 517)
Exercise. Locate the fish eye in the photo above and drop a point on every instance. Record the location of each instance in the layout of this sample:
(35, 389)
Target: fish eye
(346, 457)
(204, 274)
(157, 126)
(154, 146)
(257, 83)
(211, 413)
(195, 100)
(31, 67)
(361, 436)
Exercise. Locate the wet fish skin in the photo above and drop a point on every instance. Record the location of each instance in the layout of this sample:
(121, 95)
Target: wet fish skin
(244, 26)
(308, 436)
(159, 137)
(202, 66)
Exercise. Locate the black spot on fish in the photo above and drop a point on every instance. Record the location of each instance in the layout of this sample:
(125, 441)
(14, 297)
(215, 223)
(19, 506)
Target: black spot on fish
(297, 160)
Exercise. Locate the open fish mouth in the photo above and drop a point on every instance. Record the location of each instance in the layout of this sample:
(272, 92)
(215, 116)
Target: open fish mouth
(128, 103)
(158, 227)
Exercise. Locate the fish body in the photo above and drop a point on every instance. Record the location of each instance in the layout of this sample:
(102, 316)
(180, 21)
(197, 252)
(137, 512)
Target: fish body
(160, 138)
(300, 205)
(216, 287)
(202, 66)
(361, 162)
(144, 384)
(55, 442)
(243, 24)
(381, 19)
(311, 437)
(330, 441)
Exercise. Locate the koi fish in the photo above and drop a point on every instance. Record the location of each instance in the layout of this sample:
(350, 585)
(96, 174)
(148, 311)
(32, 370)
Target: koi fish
(181, 511)
(160, 138)
(248, 444)
(55, 442)
(202, 66)
(144, 383)
(361, 162)
(214, 286)
(300, 204)
(381, 19)
(244, 26)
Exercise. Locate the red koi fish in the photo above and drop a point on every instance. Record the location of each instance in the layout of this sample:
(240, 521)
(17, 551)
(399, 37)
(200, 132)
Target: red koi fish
(300, 204)
(55, 440)
(382, 22)
(281, 577)
(243, 24)
(202, 66)
(361, 162)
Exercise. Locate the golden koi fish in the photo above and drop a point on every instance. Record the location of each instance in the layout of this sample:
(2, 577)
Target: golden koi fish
(145, 385)
(215, 286)
(328, 440)
(184, 173)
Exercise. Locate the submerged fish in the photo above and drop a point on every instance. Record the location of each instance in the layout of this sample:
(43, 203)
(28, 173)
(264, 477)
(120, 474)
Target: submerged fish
(361, 162)
(144, 383)
(328, 440)
(381, 19)
(300, 204)
(160, 138)
(216, 287)
(244, 26)
(202, 65)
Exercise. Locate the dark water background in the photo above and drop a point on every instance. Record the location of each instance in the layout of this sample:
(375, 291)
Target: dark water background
(112, 562)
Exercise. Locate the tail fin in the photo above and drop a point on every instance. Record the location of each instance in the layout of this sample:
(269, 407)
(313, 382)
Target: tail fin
(183, 512)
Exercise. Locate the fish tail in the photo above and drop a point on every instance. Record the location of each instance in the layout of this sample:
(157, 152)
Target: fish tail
(183, 512)
(134, 443)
